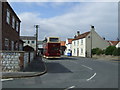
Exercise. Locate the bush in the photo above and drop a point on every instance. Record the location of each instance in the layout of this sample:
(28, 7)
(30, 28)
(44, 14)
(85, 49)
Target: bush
(97, 51)
(109, 50)
(116, 52)
(94, 51)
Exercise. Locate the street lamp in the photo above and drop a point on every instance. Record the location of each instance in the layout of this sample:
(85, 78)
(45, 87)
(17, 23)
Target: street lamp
(36, 27)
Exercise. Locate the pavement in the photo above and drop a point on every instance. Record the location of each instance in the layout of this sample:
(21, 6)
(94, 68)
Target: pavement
(36, 68)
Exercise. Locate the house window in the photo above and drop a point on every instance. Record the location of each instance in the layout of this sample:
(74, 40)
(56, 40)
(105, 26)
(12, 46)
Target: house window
(12, 45)
(20, 47)
(28, 42)
(81, 50)
(17, 26)
(6, 44)
(78, 42)
(13, 22)
(81, 41)
(8, 17)
(33, 42)
(74, 43)
(16, 46)
(74, 51)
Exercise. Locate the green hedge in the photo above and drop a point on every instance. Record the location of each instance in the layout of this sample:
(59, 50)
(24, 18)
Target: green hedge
(97, 51)
(109, 50)
(116, 52)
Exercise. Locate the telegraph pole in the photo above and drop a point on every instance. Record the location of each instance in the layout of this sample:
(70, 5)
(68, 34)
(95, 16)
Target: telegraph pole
(92, 28)
(36, 27)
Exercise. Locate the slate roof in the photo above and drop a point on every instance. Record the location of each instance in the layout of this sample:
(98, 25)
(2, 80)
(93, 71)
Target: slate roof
(28, 37)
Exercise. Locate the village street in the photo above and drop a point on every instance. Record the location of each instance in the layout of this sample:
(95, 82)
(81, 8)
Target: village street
(72, 72)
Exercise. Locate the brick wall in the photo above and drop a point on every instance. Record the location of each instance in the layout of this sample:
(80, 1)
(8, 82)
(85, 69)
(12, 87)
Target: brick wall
(7, 30)
(0, 25)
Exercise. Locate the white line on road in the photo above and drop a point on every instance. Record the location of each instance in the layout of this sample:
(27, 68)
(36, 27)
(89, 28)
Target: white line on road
(87, 67)
(91, 77)
(6, 79)
(69, 88)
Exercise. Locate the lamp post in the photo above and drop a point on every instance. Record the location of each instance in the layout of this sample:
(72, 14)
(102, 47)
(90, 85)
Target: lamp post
(36, 27)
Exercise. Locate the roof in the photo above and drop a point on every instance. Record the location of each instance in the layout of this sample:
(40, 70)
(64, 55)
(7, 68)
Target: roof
(70, 40)
(62, 43)
(28, 37)
(82, 35)
(40, 42)
(113, 42)
(21, 41)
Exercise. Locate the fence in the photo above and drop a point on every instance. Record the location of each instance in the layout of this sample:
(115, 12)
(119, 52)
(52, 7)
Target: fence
(15, 61)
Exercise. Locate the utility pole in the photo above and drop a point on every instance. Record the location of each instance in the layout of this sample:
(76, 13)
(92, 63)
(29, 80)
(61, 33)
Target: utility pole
(36, 27)
(92, 28)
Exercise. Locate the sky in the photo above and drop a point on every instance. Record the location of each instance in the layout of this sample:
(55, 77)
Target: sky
(64, 19)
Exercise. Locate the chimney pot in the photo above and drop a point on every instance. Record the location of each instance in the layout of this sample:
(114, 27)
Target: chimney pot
(92, 26)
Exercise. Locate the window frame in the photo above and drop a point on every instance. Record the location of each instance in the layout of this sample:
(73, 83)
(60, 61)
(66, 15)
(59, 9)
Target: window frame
(8, 16)
(13, 22)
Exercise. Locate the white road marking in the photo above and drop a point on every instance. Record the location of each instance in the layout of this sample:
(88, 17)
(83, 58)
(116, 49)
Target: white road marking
(70, 87)
(6, 79)
(87, 67)
(91, 77)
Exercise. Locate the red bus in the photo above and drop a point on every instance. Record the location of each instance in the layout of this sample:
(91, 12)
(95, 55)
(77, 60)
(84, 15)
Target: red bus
(51, 47)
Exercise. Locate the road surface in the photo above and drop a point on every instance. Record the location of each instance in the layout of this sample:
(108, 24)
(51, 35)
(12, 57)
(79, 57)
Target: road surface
(72, 72)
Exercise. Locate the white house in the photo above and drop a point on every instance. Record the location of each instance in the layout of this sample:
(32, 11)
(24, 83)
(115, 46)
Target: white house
(83, 43)
(118, 45)
(68, 46)
(29, 40)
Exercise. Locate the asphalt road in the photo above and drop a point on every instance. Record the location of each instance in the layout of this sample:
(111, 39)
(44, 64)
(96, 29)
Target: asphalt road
(72, 72)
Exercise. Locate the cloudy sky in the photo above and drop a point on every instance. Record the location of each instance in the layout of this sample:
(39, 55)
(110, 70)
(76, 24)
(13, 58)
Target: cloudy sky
(64, 19)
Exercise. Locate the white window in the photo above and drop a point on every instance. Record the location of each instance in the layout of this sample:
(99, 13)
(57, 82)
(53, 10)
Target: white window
(74, 43)
(12, 45)
(17, 26)
(6, 44)
(81, 41)
(13, 22)
(74, 51)
(32, 42)
(8, 17)
(28, 42)
(81, 50)
(78, 42)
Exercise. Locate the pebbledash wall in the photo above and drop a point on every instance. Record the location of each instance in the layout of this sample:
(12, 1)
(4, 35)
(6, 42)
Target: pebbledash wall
(15, 61)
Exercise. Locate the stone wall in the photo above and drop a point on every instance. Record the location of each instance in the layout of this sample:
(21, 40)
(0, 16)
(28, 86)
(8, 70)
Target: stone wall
(15, 61)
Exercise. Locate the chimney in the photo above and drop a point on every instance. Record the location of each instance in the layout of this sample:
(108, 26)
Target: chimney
(75, 36)
(92, 27)
(104, 38)
(78, 33)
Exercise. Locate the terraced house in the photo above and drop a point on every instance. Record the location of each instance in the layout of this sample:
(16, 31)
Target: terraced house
(9, 29)
(83, 43)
